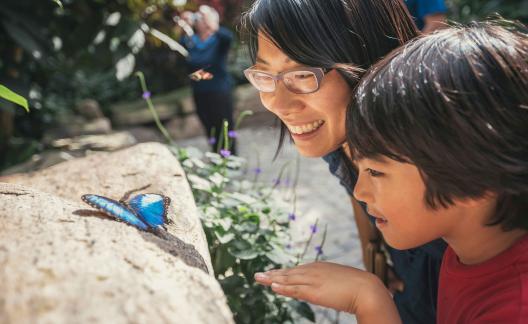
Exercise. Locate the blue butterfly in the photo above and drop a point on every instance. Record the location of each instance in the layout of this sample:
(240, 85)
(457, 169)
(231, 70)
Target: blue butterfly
(144, 211)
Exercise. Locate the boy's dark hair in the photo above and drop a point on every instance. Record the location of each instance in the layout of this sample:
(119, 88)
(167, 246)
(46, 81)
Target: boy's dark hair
(349, 35)
(455, 104)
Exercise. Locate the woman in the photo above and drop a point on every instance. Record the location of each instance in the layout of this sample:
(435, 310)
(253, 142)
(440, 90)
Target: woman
(207, 63)
(309, 55)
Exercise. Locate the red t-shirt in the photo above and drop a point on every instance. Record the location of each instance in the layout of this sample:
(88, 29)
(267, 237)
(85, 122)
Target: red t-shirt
(495, 291)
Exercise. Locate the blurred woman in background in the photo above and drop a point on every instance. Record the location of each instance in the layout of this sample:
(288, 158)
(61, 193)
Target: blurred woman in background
(208, 45)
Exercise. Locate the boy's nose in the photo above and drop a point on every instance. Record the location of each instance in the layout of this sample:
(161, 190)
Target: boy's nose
(362, 191)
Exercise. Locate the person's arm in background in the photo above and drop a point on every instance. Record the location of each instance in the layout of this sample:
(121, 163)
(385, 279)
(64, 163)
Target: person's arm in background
(225, 37)
(433, 14)
(433, 22)
(185, 22)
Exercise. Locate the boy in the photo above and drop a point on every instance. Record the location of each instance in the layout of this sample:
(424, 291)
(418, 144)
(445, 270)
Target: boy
(439, 133)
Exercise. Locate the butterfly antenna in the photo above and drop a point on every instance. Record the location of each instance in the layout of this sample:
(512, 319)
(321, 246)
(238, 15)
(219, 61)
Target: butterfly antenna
(128, 193)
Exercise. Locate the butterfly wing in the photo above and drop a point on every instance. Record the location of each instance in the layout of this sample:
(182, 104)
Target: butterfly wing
(115, 209)
(152, 208)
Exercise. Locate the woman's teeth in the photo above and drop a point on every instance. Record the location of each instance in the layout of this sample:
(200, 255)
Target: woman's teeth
(307, 128)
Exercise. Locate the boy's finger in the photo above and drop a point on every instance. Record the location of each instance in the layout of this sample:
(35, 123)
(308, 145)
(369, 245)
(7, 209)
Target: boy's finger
(290, 279)
(266, 278)
(294, 291)
(262, 278)
(288, 271)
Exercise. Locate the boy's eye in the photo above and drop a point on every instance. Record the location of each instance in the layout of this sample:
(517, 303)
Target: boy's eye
(374, 173)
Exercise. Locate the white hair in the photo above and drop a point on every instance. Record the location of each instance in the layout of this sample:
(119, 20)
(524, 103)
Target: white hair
(210, 16)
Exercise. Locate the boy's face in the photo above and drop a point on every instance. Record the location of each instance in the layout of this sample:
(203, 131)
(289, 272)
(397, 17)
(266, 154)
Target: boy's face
(394, 193)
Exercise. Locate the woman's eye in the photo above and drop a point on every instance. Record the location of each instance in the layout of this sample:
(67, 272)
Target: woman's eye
(303, 76)
(374, 173)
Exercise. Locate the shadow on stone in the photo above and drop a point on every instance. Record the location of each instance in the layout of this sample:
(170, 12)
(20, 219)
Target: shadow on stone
(176, 247)
(163, 239)
(91, 213)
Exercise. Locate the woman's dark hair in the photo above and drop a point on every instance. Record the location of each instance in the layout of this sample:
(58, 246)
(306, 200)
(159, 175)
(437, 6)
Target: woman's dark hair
(455, 104)
(348, 35)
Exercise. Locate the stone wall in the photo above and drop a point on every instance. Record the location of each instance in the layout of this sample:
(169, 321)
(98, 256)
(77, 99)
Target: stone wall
(63, 262)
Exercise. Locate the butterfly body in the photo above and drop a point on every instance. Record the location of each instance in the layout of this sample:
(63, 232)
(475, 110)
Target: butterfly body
(144, 211)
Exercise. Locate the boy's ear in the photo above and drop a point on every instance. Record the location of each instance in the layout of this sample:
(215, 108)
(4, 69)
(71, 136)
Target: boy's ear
(486, 198)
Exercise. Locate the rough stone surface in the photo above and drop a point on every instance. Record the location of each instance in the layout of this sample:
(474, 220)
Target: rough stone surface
(63, 262)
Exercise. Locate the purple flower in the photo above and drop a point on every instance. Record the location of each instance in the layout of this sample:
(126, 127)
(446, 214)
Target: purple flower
(291, 216)
(319, 250)
(211, 140)
(287, 182)
(146, 95)
(276, 182)
(313, 228)
(288, 246)
(257, 170)
(232, 134)
(225, 153)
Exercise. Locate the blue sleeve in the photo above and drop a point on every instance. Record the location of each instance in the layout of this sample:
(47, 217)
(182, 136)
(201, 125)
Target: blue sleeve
(430, 7)
(185, 41)
(225, 38)
(337, 167)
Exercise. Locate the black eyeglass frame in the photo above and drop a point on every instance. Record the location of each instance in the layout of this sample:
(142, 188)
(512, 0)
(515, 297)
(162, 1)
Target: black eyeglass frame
(319, 73)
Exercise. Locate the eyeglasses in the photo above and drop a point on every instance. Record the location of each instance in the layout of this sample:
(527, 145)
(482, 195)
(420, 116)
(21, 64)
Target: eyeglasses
(301, 80)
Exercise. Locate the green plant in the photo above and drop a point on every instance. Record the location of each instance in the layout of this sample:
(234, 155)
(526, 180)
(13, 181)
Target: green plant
(13, 97)
(247, 228)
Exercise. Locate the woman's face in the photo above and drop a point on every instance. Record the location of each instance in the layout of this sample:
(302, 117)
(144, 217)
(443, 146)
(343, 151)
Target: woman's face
(316, 121)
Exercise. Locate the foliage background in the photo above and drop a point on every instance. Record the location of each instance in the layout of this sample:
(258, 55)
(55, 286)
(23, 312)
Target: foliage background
(468, 10)
(57, 56)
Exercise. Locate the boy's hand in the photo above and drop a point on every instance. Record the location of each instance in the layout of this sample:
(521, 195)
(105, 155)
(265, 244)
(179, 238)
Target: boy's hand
(332, 285)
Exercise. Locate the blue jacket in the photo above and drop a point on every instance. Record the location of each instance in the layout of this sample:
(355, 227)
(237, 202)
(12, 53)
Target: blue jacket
(210, 55)
(421, 8)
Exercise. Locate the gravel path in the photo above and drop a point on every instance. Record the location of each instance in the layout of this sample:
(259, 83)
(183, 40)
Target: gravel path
(319, 196)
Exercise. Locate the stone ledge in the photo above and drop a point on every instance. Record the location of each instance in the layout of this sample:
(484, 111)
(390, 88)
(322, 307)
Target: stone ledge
(63, 263)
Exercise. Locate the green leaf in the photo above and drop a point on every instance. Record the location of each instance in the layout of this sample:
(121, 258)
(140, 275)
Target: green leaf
(302, 309)
(248, 227)
(222, 260)
(199, 183)
(13, 97)
(278, 256)
(243, 250)
(243, 198)
(217, 179)
(244, 255)
(58, 3)
(232, 282)
(224, 237)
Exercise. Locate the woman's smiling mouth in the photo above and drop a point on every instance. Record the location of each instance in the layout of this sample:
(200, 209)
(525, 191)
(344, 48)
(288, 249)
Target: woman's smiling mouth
(305, 128)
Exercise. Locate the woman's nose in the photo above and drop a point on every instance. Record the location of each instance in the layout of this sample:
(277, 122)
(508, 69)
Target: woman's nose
(281, 102)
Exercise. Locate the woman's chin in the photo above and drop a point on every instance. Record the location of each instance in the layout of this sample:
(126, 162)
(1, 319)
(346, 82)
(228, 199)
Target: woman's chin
(311, 152)
(314, 149)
